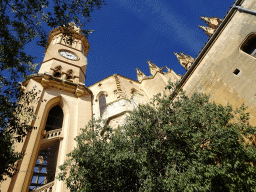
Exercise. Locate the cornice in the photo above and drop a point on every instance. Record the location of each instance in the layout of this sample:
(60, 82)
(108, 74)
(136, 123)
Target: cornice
(47, 80)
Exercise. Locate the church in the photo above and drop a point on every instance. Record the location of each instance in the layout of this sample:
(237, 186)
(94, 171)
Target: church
(224, 69)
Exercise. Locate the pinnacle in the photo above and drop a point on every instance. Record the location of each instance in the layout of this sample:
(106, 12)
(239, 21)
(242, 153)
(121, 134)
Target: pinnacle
(185, 60)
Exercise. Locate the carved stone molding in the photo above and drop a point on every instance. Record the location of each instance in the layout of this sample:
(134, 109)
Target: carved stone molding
(80, 89)
(47, 80)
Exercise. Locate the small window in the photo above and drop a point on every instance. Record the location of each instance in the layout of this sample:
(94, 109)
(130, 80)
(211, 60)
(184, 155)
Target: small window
(57, 71)
(133, 91)
(69, 75)
(69, 78)
(249, 45)
(236, 72)
(57, 74)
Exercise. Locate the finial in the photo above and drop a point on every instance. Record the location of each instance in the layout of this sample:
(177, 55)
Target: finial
(208, 30)
(150, 63)
(168, 69)
(140, 74)
(213, 22)
(185, 60)
(153, 68)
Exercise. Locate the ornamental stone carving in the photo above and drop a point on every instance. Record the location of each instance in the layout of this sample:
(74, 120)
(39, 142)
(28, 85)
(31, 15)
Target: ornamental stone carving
(213, 22)
(208, 30)
(140, 75)
(185, 60)
(153, 68)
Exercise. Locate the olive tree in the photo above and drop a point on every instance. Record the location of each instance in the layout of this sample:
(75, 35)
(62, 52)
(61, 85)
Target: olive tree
(181, 144)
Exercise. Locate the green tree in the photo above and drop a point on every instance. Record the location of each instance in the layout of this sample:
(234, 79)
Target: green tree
(23, 21)
(185, 144)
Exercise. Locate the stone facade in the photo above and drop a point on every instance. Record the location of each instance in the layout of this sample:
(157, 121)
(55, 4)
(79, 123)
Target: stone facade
(224, 68)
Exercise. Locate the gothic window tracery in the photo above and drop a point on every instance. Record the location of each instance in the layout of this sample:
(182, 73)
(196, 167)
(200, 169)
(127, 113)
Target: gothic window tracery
(46, 164)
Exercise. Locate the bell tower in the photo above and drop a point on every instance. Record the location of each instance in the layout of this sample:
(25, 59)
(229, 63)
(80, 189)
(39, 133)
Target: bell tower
(64, 107)
(65, 57)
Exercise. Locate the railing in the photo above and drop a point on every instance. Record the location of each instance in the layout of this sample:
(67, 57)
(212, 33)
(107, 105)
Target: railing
(56, 133)
(46, 188)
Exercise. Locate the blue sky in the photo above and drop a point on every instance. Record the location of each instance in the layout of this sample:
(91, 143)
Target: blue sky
(129, 32)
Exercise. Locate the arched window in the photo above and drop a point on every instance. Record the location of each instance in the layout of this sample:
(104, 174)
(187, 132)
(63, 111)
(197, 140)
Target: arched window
(249, 45)
(57, 72)
(69, 75)
(102, 103)
(55, 118)
(46, 163)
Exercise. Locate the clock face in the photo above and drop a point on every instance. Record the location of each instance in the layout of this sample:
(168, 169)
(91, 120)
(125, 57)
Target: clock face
(68, 55)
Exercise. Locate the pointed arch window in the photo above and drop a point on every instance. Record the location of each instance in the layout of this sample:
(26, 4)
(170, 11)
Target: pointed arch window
(46, 163)
(69, 75)
(102, 103)
(57, 72)
(55, 119)
(249, 45)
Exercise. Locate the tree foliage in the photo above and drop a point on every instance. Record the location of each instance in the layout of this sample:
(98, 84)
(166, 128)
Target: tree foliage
(185, 144)
(23, 21)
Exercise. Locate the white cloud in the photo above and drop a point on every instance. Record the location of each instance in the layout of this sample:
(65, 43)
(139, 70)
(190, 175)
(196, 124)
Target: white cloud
(165, 20)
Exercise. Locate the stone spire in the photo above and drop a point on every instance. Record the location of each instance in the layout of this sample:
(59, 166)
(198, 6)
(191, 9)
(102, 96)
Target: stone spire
(208, 30)
(213, 22)
(140, 75)
(168, 69)
(153, 68)
(185, 60)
